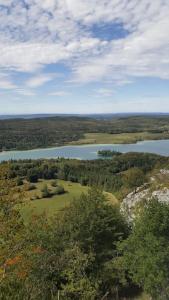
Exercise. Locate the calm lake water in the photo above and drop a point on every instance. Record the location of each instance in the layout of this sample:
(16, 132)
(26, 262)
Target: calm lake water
(88, 151)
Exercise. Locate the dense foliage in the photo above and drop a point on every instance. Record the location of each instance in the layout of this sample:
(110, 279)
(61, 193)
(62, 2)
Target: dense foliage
(146, 251)
(87, 250)
(45, 132)
(108, 153)
(120, 174)
(80, 250)
(67, 257)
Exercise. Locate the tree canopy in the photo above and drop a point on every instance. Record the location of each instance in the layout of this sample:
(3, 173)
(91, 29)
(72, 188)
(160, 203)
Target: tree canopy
(146, 251)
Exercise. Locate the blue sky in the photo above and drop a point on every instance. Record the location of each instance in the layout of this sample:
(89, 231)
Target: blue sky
(81, 56)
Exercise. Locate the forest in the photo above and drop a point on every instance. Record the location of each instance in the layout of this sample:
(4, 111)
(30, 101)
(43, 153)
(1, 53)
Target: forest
(22, 134)
(121, 173)
(87, 250)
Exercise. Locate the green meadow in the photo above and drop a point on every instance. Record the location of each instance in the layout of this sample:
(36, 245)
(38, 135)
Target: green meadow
(53, 204)
(121, 138)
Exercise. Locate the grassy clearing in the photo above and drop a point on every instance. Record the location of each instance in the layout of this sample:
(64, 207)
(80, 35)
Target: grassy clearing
(122, 138)
(57, 202)
(53, 204)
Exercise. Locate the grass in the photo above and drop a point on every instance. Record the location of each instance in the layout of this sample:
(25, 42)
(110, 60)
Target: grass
(122, 138)
(53, 204)
(113, 200)
(57, 202)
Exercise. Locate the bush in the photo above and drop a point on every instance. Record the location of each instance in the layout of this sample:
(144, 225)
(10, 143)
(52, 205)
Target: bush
(45, 191)
(134, 178)
(30, 187)
(32, 176)
(72, 178)
(59, 190)
(84, 181)
(54, 183)
(19, 181)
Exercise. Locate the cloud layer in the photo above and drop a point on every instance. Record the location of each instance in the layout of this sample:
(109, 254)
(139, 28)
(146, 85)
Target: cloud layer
(36, 33)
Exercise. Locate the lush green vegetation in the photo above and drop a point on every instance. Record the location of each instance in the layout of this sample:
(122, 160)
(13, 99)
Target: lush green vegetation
(146, 250)
(119, 138)
(55, 131)
(62, 237)
(86, 251)
(54, 202)
(61, 258)
(108, 153)
(118, 175)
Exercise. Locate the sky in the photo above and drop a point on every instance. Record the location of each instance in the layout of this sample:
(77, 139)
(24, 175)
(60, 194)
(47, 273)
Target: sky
(84, 56)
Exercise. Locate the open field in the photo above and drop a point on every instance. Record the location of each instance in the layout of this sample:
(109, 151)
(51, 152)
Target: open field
(53, 204)
(121, 138)
(57, 202)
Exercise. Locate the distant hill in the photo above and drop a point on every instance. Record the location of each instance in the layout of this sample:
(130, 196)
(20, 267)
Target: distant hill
(93, 116)
(24, 132)
(31, 116)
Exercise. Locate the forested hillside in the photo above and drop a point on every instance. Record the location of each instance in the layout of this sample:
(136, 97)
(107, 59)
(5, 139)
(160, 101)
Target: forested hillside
(87, 249)
(118, 175)
(55, 131)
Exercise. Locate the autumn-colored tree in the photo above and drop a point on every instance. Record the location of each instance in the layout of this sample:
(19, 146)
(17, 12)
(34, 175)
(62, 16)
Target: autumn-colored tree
(15, 242)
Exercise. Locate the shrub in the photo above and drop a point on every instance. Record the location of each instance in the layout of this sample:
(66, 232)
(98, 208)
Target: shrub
(32, 176)
(59, 190)
(19, 181)
(54, 183)
(45, 191)
(30, 187)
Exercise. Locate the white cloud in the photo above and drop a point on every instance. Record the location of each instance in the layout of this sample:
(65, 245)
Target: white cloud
(5, 2)
(39, 80)
(25, 92)
(6, 83)
(53, 31)
(30, 57)
(59, 94)
(104, 92)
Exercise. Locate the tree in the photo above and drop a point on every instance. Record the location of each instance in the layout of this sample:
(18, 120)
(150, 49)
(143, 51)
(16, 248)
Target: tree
(59, 190)
(96, 226)
(13, 242)
(60, 271)
(32, 176)
(54, 183)
(45, 191)
(76, 253)
(134, 178)
(71, 255)
(19, 181)
(146, 251)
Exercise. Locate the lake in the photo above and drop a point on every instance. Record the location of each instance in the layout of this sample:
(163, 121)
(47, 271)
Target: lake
(87, 151)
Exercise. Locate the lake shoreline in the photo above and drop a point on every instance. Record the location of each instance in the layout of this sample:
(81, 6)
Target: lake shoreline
(87, 152)
(75, 143)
